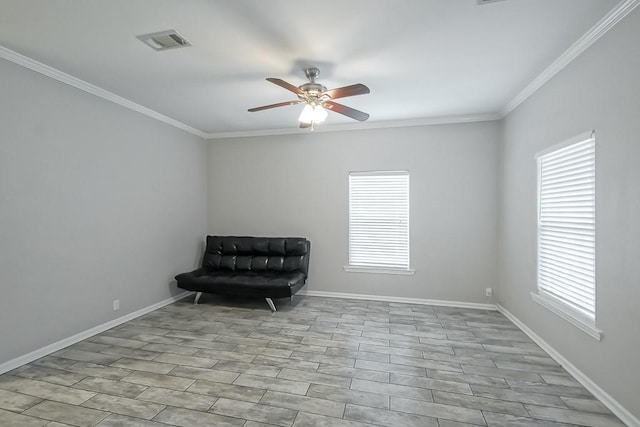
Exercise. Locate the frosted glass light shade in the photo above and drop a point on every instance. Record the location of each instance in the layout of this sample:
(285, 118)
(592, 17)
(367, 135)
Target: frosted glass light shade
(319, 114)
(307, 114)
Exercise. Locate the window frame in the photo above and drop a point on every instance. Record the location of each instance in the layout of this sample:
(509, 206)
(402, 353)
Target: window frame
(577, 317)
(379, 269)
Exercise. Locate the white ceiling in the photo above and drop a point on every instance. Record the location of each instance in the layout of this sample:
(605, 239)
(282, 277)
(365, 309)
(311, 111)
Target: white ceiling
(422, 59)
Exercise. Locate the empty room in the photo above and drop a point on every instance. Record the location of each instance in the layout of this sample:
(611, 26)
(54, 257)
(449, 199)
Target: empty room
(340, 213)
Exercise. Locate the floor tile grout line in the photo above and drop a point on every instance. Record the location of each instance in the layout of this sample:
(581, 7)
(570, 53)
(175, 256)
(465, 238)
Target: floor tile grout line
(334, 337)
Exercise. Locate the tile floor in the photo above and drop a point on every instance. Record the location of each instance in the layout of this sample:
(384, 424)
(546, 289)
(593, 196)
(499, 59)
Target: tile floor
(316, 362)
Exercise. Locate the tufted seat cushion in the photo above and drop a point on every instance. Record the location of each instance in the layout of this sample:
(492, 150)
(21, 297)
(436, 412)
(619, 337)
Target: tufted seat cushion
(249, 283)
(266, 267)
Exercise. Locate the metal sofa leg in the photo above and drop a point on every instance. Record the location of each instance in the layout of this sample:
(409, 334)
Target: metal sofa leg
(198, 295)
(271, 305)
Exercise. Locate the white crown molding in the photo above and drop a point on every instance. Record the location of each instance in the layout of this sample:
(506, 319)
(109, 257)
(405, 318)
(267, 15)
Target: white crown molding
(70, 80)
(597, 31)
(59, 345)
(385, 298)
(614, 16)
(427, 121)
(620, 411)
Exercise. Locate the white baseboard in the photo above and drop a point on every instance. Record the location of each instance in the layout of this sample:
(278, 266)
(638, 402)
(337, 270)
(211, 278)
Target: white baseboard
(386, 298)
(625, 416)
(59, 345)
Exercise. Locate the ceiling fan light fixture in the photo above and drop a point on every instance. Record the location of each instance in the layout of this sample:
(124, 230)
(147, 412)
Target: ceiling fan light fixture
(307, 114)
(313, 113)
(319, 114)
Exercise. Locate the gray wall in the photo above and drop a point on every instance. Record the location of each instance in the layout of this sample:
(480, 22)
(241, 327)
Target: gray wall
(97, 203)
(298, 185)
(600, 91)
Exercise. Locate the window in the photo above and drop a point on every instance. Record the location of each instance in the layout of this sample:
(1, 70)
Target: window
(379, 222)
(566, 232)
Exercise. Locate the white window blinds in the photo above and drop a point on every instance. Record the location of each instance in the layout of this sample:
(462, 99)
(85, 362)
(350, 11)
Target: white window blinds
(566, 226)
(379, 220)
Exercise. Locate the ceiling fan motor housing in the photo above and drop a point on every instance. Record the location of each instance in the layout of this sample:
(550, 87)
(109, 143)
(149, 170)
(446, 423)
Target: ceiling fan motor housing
(312, 91)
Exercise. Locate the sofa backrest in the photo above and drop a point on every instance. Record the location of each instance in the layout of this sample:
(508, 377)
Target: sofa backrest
(257, 253)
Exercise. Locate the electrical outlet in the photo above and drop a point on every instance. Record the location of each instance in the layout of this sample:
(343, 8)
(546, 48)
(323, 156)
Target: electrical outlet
(489, 292)
(116, 305)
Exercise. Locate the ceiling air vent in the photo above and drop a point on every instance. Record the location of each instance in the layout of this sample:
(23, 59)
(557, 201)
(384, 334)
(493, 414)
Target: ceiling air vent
(164, 40)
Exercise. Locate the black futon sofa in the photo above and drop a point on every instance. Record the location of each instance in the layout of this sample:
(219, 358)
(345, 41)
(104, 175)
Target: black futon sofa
(266, 267)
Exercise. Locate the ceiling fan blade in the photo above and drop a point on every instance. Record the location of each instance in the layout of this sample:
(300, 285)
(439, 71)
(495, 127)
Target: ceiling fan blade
(347, 111)
(343, 92)
(287, 86)
(279, 104)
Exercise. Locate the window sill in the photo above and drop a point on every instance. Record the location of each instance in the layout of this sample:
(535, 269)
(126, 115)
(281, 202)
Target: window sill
(379, 270)
(585, 325)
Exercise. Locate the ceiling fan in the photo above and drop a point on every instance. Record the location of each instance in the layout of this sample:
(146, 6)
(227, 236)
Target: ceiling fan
(318, 99)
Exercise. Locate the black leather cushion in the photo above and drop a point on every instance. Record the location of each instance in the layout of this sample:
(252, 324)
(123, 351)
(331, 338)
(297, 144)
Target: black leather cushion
(256, 254)
(260, 284)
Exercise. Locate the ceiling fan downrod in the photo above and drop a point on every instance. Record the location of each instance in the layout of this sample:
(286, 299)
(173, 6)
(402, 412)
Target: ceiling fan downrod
(312, 74)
